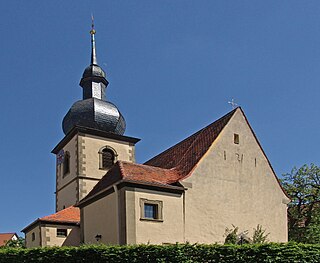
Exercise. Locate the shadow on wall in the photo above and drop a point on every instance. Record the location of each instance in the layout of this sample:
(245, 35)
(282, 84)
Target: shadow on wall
(73, 239)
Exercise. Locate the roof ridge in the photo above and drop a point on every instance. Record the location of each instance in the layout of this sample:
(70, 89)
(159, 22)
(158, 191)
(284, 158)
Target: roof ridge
(193, 135)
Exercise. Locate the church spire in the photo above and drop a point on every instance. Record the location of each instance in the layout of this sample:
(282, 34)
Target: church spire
(93, 81)
(94, 111)
(93, 43)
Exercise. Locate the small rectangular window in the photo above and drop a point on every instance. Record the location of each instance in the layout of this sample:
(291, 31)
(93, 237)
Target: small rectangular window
(151, 209)
(236, 138)
(62, 232)
(33, 236)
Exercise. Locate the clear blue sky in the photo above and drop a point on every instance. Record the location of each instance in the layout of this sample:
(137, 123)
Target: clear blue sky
(172, 67)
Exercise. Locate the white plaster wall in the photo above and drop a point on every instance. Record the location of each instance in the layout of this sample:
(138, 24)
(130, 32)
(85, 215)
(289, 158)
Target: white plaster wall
(237, 191)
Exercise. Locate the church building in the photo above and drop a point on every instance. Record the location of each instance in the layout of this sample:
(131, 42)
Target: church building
(191, 192)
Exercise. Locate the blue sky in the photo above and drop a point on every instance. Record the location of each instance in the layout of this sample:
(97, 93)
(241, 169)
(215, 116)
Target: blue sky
(172, 68)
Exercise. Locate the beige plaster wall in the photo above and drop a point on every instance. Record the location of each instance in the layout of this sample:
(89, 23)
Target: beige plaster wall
(89, 157)
(170, 230)
(28, 237)
(51, 239)
(66, 192)
(85, 186)
(101, 218)
(85, 162)
(67, 196)
(234, 184)
(72, 148)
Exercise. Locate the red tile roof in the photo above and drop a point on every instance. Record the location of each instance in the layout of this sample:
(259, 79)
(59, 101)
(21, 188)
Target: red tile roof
(145, 173)
(168, 167)
(132, 172)
(5, 237)
(70, 214)
(185, 155)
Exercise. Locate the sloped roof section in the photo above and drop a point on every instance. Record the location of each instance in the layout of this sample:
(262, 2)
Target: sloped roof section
(5, 237)
(70, 214)
(132, 172)
(170, 166)
(186, 154)
(145, 173)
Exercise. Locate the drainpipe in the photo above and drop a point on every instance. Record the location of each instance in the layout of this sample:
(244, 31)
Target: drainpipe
(115, 188)
(184, 215)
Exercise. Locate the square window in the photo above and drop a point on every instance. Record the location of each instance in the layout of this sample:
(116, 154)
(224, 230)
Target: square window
(236, 138)
(151, 210)
(62, 232)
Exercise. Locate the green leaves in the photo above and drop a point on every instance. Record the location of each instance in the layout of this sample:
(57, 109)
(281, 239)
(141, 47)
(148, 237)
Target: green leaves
(182, 253)
(303, 187)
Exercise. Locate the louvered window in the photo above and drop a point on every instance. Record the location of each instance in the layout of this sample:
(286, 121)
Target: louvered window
(66, 164)
(107, 158)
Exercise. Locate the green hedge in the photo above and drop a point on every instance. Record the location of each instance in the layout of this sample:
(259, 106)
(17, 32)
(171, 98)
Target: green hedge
(270, 253)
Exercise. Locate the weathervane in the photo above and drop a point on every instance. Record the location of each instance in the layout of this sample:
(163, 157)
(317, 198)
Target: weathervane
(233, 103)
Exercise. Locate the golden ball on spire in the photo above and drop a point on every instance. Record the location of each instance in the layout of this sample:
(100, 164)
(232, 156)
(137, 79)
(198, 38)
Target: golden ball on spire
(92, 31)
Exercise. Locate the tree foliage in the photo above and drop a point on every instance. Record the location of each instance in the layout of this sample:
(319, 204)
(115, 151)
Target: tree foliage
(233, 237)
(259, 235)
(19, 243)
(303, 186)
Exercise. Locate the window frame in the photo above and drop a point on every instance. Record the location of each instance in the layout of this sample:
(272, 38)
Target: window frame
(236, 138)
(101, 152)
(66, 164)
(64, 230)
(159, 209)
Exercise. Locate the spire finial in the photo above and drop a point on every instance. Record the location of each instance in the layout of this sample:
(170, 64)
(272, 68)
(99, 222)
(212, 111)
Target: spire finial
(93, 43)
(92, 31)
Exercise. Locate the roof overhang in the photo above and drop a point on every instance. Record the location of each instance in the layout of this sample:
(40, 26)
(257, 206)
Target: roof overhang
(47, 222)
(137, 184)
(84, 130)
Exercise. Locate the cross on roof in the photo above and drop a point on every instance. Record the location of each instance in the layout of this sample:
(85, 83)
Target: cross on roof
(233, 103)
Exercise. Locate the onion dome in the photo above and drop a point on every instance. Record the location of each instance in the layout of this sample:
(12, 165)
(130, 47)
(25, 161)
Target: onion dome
(93, 111)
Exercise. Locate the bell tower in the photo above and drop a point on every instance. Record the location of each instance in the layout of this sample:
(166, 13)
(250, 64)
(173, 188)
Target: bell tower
(94, 139)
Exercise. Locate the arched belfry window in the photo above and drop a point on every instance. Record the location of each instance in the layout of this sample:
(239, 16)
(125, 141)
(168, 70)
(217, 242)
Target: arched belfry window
(66, 163)
(108, 157)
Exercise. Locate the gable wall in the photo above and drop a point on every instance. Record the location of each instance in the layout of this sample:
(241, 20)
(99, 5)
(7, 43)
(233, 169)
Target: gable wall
(238, 191)
(28, 236)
